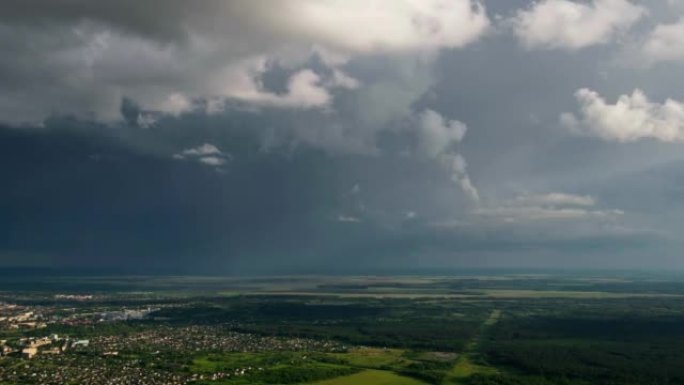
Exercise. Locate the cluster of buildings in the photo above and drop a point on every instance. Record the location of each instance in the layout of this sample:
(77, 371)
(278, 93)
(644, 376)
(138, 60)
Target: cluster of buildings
(19, 317)
(126, 315)
(13, 316)
(29, 347)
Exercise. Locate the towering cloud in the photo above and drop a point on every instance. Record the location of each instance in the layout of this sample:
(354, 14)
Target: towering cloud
(631, 118)
(457, 166)
(438, 135)
(437, 139)
(565, 24)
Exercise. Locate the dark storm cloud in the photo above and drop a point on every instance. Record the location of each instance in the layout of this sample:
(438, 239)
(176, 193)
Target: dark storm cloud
(219, 138)
(94, 199)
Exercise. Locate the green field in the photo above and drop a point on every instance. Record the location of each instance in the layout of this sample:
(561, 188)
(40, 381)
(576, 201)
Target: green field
(269, 367)
(372, 377)
(372, 357)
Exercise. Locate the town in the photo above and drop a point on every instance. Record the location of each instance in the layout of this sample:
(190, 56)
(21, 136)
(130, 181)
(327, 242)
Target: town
(152, 354)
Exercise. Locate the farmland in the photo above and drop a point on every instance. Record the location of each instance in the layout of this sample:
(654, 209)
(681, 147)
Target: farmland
(461, 330)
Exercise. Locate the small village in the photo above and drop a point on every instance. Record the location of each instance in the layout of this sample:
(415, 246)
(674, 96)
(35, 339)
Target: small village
(206, 338)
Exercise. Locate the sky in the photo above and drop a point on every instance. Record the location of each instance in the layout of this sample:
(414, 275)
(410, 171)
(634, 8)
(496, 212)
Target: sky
(245, 137)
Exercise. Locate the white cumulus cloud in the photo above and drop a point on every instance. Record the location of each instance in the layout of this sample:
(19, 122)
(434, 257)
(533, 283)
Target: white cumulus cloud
(206, 153)
(202, 150)
(631, 118)
(665, 43)
(565, 24)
